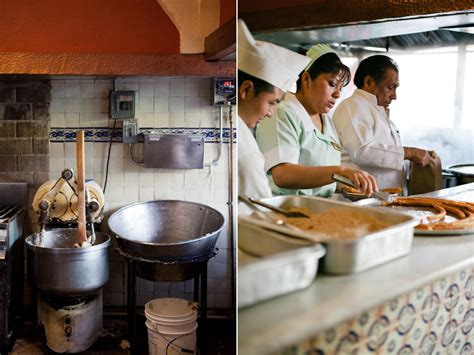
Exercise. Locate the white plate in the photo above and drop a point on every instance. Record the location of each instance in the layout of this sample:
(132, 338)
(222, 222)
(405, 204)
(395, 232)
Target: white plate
(422, 213)
(427, 233)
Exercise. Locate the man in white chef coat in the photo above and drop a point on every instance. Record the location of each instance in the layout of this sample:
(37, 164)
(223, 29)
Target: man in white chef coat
(265, 73)
(370, 140)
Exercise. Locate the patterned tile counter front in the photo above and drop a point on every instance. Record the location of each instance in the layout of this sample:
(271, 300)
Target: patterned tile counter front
(422, 303)
(435, 319)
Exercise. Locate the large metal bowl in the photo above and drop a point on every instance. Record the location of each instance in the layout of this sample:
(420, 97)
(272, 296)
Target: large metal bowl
(55, 266)
(168, 230)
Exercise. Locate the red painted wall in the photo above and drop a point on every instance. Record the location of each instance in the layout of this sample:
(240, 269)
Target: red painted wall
(86, 26)
(228, 8)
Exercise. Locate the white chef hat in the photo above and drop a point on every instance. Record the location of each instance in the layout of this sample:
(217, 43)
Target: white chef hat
(317, 51)
(276, 65)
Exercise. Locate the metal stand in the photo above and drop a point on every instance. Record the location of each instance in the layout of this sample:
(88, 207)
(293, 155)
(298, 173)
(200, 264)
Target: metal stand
(200, 295)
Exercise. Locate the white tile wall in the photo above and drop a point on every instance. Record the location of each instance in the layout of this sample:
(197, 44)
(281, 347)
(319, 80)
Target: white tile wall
(161, 102)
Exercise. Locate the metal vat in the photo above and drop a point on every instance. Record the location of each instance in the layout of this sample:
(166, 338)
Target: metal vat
(55, 266)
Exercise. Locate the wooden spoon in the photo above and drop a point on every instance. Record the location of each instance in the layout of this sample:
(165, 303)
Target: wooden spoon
(81, 197)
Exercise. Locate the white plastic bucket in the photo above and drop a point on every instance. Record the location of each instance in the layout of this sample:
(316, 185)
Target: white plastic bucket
(171, 344)
(174, 320)
(170, 309)
(171, 324)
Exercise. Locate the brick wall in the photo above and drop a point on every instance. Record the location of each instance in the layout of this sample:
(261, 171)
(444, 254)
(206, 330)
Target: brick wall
(24, 130)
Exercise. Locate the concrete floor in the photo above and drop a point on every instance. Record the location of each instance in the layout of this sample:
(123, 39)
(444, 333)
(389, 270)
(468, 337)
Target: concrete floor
(221, 339)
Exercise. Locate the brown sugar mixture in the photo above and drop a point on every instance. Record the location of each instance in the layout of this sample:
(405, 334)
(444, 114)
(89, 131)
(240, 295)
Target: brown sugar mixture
(338, 224)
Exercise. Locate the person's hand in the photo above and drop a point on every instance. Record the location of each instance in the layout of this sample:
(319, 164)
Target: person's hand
(363, 180)
(418, 156)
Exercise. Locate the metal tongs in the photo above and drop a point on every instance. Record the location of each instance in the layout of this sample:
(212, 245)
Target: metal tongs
(379, 195)
(280, 210)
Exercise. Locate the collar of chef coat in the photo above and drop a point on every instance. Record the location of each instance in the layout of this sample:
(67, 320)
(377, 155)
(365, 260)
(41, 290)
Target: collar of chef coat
(372, 100)
(308, 123)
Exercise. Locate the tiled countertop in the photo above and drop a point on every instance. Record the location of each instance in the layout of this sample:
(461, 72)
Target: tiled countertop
(274, 324)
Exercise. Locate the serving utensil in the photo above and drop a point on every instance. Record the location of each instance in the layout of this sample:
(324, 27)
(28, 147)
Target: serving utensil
(380, 195)
(280, 210)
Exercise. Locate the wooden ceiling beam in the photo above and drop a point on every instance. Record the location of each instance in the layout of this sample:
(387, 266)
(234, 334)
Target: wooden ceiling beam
(325, 13)
(221, 43)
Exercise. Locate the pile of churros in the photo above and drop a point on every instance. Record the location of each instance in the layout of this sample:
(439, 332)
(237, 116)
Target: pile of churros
(463, 211)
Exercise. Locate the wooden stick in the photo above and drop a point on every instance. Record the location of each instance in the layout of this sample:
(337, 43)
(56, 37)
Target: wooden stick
(81, 197)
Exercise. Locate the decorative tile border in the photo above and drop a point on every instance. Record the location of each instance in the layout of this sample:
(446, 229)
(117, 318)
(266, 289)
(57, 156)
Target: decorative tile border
(435, 319)
(103, 134)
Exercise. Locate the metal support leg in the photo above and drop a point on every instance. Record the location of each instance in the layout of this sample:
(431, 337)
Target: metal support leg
(196, 289)
(131, 306)
(203, 323)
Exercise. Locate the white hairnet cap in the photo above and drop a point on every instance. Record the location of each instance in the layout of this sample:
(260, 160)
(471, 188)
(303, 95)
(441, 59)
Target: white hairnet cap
(276, 65)
(317, 51)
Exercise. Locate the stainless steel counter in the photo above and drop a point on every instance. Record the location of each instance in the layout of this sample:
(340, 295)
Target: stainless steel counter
(275, 324)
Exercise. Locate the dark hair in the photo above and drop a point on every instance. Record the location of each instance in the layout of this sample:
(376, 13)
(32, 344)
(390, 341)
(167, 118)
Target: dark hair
(259, 84)
(375, 66)
(327, 63)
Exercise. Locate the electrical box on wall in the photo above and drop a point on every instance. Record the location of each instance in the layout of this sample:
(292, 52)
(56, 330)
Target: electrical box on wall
(122, 104)
(129, 131)
(224, 91)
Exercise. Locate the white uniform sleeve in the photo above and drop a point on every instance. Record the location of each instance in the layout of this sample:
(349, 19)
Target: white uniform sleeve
(354, 126)
(253, 181)
(278, 139)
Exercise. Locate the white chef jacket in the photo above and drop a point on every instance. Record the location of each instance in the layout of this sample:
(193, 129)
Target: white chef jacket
(370, 141)
(253, 181)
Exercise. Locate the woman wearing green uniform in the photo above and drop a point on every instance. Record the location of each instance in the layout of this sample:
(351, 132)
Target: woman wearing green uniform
(300, 145)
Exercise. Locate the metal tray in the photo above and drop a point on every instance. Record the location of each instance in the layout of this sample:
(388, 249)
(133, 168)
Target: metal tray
(271, 264)
(353, 255)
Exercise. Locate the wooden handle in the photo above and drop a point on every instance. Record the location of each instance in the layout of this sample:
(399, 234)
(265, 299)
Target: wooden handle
(81, 196)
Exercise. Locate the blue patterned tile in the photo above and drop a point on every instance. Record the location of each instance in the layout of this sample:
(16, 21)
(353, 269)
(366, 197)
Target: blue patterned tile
(394, 341)
(449, 333)
(393, 308)
(378, 334)
(103, 134)
(406, 319)
(406, 349)
(415, 336)
(466, 349)
(451, 297)
(329, 340)
(469, 288)
(430, 307)
(468, 322)
(428, 343)
(348, 344)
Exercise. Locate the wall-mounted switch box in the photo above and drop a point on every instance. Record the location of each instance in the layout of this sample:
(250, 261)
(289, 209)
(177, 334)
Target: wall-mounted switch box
(122, 104)
(224, 90)
(130, 131)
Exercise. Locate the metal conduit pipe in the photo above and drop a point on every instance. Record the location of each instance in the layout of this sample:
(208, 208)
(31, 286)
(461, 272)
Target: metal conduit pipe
(231, 205)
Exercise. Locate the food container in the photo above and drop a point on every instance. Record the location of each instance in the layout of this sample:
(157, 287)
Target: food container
(464, 173)
(348, 255)
(271, 264)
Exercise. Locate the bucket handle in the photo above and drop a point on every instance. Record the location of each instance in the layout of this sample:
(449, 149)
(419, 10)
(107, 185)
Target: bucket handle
(170, 342)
